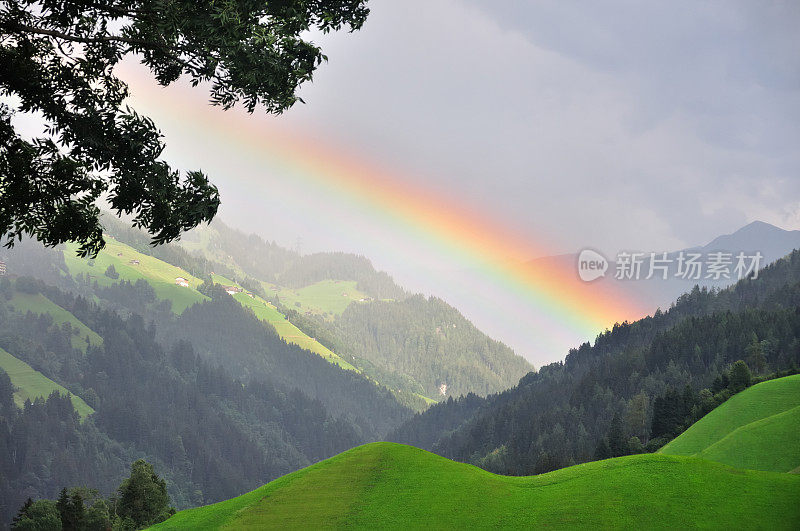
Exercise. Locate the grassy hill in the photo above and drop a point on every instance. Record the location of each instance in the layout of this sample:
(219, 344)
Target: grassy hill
(32, 384)
(386, 485)
(132, 266)
(38, 303)
(736, 432)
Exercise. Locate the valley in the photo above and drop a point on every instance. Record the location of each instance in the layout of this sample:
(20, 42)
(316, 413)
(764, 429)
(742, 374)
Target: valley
(309, 369)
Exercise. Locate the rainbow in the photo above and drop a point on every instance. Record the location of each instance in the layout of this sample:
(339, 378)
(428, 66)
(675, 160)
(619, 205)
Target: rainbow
(502, 254)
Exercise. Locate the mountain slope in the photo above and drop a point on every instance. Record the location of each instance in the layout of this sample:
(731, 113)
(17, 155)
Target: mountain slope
(316, 292)
(413, 344)
(561, 413)
(385, 485)
(267, 312)
(31, 384)
(430, 345)
(132, 265)
(735, 432)
(39, 304)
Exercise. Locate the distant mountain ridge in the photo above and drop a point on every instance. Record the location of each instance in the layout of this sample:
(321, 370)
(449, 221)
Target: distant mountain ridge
(771, 241)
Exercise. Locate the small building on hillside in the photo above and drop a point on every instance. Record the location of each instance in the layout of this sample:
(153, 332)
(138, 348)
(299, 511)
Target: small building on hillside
(134, 262)
(232, 290)
(442, 388)
(180, 281)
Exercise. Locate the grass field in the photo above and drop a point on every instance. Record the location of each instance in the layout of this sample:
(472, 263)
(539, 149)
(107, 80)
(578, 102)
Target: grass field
(386, 485)
(286, 330)
(158, 273)
(38, 303)
(330, 297)
(31, 383)
(755, 429)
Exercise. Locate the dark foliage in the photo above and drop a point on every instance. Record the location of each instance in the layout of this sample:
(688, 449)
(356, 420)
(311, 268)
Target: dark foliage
(422, 343)
(224, 332)
(58, 58)
(212, 435)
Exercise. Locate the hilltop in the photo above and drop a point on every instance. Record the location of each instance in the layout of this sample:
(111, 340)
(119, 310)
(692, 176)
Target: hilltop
(739, 431)
(386, 485)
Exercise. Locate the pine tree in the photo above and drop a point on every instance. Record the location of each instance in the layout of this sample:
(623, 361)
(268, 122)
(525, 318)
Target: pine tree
(755, 354)
(62, 504)
(143, 496)
(603, 450)
(22, 514)
(75, 516)
(740, 376)
(617, 442)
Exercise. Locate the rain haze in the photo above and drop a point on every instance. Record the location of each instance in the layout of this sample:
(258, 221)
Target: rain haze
(556, 120)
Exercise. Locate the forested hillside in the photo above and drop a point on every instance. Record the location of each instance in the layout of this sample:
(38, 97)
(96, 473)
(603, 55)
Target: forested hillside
(431, 344)
(190, 379)
(211, 428)
(413, 344)
(267, 261)
(227, 334)
(560, 414)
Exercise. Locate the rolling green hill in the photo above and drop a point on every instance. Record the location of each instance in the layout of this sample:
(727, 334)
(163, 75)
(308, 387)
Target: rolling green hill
(32, 384)
(38, 303)
(736, 432)
(386, 485)
(132, 265)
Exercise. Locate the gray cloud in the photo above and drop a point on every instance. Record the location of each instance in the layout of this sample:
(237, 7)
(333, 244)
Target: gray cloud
(679, 120)
(615, 125)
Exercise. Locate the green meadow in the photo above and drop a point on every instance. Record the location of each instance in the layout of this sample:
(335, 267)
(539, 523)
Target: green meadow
(387, 485)
(267, 312)
(32, 384)
(38, 303)
(330, 297)
(132, 266)
(755, 429)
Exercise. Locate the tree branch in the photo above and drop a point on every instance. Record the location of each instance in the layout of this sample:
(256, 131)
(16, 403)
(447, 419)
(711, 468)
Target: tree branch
(89, 40)
(76, 38)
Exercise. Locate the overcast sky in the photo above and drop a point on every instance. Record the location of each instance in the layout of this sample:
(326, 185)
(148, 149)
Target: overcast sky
(614, 125)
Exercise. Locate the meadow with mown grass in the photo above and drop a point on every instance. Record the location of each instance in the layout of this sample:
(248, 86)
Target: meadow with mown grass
(754, 429)
(388, 485)
(30, 384)
(39, 304)
(131, 265)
